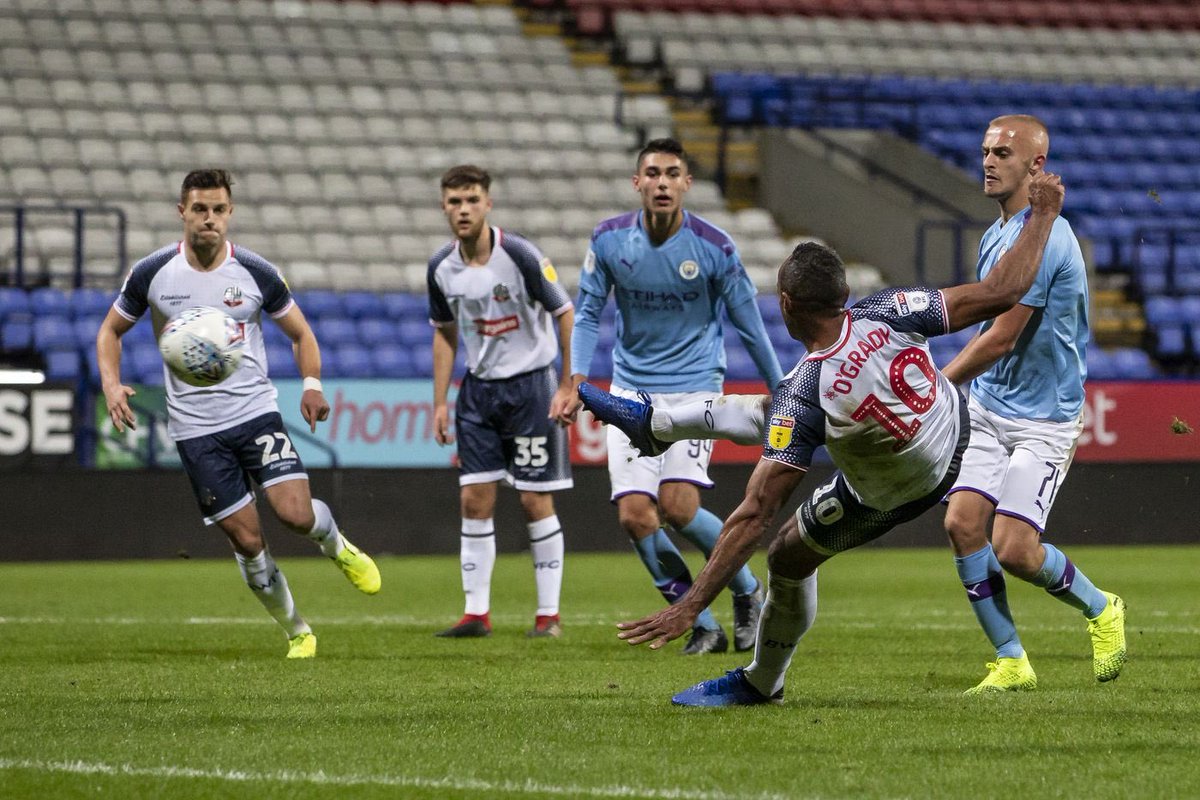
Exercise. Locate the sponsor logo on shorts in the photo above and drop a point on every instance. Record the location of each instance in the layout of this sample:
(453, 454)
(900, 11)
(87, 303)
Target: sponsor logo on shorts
(780, 431)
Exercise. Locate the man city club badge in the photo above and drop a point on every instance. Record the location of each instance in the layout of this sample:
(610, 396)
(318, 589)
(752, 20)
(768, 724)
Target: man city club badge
(233, 296)
(689, 269)
(500, 293)
(780, 432)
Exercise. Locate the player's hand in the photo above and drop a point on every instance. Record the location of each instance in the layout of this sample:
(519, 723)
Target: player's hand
(314, 408)
(1046, 193)
(565, 405)
(658, 629)
(117, 401)
(441, 425)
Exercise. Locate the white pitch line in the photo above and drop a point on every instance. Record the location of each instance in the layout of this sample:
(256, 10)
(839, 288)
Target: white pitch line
(484, 787)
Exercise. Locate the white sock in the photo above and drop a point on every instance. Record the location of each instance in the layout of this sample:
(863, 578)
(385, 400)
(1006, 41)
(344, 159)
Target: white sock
(546, 545)
(739, 418)
(325, 531)
(270, 587)
(477, 556)
(788, 613)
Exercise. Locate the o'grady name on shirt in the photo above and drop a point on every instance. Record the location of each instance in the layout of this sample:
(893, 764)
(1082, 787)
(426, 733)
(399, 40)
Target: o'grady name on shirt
(857, 358)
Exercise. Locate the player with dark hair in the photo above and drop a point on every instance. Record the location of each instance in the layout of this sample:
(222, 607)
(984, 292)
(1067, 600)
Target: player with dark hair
(231, 434)
(1026, 368)
(674, 276)
(894, 426)
(502, 295)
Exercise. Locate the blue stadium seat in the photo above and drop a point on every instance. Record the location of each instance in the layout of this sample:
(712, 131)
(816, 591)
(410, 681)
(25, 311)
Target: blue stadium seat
(392, 361)
(141, 333)
(273, 334)
(49, 300)
(361, 305)
(334, 331)
(402, 305)
(1133, 363)
(90, 302)
(143, 364)
(374, 332)
(319, 303)
(739, 366)
(281, 363)
(64, 365)
(422, 361)
(52, 332)
(415, 332)
(85, 329)
(16, 335)
(13, 302)
(352, 361)
(1100, 364)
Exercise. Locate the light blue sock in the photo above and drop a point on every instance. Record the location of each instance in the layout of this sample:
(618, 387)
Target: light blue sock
(669, 571)
(983, 578)
(1061, 579)
(703, 531)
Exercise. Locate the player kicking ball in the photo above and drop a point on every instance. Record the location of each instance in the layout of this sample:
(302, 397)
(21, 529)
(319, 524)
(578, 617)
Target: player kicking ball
(868, 390)
(231, 433)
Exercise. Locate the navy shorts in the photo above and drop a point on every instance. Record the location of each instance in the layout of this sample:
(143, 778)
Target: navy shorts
(220, 465)
(504, 433)
(833, 520)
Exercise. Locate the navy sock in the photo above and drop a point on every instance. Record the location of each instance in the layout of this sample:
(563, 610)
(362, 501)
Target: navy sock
(669, 571)
(703, 531)
(1061, 579)
(983, 578)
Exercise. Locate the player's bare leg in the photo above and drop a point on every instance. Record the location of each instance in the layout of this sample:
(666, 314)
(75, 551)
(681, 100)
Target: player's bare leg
(294, 506)
(266, 580)
(546, 547)
(477, 558)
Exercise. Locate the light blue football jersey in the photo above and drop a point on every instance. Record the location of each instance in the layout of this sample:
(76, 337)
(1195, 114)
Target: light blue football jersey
(1042, 378)
(669, 306)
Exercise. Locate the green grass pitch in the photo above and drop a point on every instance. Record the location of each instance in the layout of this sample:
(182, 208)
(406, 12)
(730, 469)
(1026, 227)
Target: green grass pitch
(167, 680)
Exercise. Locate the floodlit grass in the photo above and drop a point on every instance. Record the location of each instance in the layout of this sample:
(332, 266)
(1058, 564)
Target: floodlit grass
(166, 679)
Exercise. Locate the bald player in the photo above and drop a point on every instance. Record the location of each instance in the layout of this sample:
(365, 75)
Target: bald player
(1026, 370)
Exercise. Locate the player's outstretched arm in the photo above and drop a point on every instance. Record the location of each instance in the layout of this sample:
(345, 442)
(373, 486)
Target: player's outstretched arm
(108, 359)
(1014, 273)
(770, 486)
(314, 407)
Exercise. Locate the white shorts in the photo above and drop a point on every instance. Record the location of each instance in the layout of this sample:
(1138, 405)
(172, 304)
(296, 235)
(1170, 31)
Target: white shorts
(685, 461)
(1017, 464)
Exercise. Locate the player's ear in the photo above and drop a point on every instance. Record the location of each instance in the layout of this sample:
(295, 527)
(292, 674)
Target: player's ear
(1039, 164)
(179, 208)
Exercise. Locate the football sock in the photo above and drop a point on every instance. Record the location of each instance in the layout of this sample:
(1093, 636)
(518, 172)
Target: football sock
(669, 571)
(477, 556)
(736, 417)
(983, 578)
(1061, 579)
(788, 613)
(703, 531)
(546, 545)
(325, 531)
(271, 588)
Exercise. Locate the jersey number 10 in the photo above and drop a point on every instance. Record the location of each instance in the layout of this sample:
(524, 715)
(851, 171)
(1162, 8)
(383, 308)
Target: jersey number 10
(875, 408)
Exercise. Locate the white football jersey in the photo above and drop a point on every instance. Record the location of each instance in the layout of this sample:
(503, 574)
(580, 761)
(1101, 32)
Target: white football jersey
(888, 417)
(242, 286)
(504, 309)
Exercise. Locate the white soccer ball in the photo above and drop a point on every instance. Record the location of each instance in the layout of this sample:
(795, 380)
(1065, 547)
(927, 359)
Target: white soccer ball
(202, 346)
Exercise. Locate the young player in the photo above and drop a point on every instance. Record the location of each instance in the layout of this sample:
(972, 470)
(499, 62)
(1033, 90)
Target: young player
(1026, 406)
(232, 433)
(498, 291)
(895, 427)
(672, 274)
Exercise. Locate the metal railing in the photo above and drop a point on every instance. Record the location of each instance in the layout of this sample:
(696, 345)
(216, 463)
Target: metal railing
(79, 215)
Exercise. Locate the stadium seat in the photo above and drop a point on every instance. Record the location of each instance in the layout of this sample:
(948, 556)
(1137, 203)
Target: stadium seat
(335, 331)
(391, 361)
(351, 361)
(13, 302)
(52, 332)
(64, 365)
(361, 305)
(16, 335)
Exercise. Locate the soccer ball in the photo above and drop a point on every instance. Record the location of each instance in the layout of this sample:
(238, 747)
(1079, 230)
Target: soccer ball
(202, 346)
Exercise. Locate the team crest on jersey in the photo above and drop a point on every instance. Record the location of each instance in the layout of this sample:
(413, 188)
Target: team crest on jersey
(589, 263)
(548, 271)
(689, 269)
(233, 296)
(779, 433)
(500, 293)
(911, 302)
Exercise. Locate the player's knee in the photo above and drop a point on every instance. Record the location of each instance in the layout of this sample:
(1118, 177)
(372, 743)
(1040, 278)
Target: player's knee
(1017, 558)
(297, 516)
(638, 525)
(964, 533)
